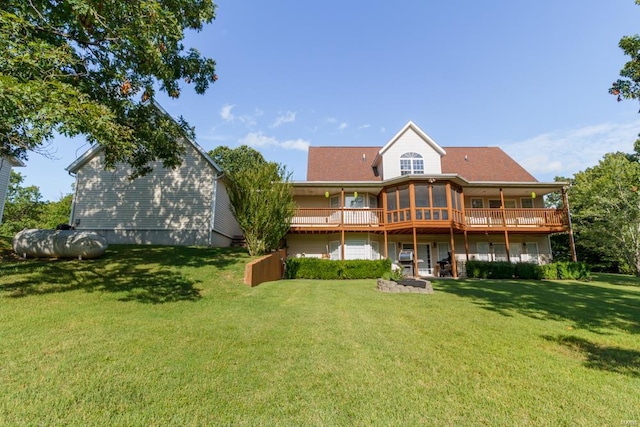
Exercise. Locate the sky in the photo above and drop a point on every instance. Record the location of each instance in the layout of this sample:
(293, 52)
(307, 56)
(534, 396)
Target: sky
(528, 77)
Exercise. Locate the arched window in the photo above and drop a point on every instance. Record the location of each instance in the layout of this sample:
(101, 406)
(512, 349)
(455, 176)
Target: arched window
(411, 163)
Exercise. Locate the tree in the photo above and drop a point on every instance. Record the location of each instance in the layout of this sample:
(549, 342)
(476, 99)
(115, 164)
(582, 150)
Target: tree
(260, 196)
(91, 67)
(236, 159)
(23, 206)
(606, 210)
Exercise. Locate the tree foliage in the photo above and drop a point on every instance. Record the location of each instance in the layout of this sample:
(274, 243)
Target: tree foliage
(24, 208)
(91, 67)
(260, 196)
(605, 200)
(236, 159)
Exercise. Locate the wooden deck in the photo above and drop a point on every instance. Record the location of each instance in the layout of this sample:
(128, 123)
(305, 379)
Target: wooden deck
(429, 220)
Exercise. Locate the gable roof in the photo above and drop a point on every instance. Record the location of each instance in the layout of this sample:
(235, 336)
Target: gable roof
(421, 134)
(93, 151)
(341, 164)
(480, 164)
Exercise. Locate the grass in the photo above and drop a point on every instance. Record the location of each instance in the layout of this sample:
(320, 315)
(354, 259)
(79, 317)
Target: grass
(170, 336)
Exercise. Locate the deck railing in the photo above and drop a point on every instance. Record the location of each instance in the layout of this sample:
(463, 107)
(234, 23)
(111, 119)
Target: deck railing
(472, 218)
(337, 217)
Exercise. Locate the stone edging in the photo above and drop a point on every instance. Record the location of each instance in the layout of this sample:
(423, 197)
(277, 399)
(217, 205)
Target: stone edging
(395, 287)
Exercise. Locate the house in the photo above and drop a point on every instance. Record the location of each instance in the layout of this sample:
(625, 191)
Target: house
(435, 203)
(6, 163)
(188, 205)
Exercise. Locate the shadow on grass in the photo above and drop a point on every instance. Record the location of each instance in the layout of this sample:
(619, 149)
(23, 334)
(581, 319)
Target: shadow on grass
(587, 305)
(612, 359)
(146, 274)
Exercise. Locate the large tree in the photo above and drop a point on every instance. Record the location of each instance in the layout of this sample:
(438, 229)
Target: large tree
(260, 196)
(605, 200)
(24, 208)
(92, 67)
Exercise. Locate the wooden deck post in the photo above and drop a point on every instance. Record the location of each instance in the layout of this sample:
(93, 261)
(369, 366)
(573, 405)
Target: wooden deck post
(504, 225)
(572, 243)
(342, 223)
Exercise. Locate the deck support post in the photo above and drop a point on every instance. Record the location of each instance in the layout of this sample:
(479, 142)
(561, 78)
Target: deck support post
(572, 243)
(342, 223)
(415, 253)
(504, 225)
(454, 264)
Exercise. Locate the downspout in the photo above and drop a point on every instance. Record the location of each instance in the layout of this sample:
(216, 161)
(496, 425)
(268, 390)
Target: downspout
(75, 197)
(213, 206)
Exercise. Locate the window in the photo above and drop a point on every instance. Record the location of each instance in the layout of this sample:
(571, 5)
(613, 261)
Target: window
(439, 196)
(526, 203)
(477, 203)
(334, 202)
(411, 163)
(354, 202)
(422, 195)
(508, 204)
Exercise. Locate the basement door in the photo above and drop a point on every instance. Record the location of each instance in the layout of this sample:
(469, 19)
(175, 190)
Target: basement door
(424, 260)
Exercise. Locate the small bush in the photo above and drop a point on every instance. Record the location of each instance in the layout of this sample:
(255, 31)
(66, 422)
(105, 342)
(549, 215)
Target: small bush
(489, 270)
(324, 269)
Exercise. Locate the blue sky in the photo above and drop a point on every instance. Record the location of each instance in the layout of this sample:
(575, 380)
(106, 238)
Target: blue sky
(530, 77)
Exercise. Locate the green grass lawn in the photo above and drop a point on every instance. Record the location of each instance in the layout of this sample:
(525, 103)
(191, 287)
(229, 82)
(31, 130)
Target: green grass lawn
(170, 336)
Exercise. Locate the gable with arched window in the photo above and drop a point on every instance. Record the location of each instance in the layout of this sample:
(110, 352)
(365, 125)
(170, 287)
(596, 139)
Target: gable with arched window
(411, 163)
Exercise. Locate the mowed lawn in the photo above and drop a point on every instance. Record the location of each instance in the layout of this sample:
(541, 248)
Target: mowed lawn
(170, 336)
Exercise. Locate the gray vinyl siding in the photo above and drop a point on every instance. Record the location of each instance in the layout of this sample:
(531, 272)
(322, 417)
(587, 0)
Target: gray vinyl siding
(224, 222)
(5, 173)
(165, 207)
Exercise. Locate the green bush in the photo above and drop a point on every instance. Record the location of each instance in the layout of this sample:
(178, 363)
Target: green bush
(324, 269)
(478, 269)
(566, 270)
(501, 270)
(528, 271)
(489, 270)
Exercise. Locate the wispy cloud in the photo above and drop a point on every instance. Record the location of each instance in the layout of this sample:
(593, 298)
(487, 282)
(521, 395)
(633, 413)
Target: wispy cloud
(287, 117)
(565, 152)
(342, 126)
(364, 126)
(226, 113)
(260, 140)
(247, 119)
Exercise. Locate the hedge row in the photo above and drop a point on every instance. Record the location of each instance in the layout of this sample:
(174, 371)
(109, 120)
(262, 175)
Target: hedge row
(525, 270)
(315, 268)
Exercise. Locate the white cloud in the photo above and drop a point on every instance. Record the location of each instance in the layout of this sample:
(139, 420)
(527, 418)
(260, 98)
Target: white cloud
(342, 126)
(364, 126)
(226, 113)
(565, 152)
(287, 117)
(260, 140)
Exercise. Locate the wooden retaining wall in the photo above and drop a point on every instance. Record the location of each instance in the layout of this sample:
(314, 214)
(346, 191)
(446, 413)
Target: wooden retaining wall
(265, 269)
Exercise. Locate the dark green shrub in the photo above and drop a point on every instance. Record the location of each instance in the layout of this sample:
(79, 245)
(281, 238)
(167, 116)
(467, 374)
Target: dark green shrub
(324, 269)
(527, 270)
(478, 269)
(501, 270)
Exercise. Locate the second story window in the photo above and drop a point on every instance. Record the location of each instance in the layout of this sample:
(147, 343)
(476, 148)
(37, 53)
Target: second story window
(411, 163)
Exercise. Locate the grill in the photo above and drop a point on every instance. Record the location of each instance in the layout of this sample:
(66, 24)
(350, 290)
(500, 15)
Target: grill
(405, 258)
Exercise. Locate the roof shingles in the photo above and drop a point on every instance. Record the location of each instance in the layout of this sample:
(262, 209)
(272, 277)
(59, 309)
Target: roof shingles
(471, 163)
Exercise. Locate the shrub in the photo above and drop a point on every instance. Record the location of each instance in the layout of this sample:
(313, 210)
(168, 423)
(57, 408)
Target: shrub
(324, 269)
(501, 270)
(566, 270)
(477, 269)
(527, 270)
